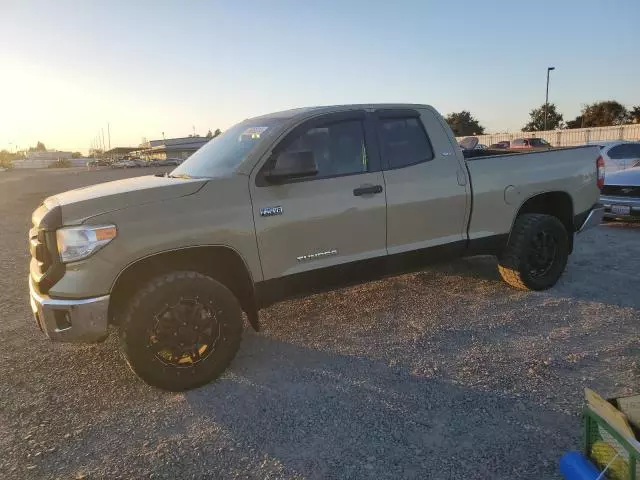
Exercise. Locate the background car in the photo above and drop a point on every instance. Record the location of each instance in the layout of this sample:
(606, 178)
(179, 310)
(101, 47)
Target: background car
(619, 155)
(98, 163)
(503, 144)
(620, 194)
(128, 163)
(166, 162)
(530, 143)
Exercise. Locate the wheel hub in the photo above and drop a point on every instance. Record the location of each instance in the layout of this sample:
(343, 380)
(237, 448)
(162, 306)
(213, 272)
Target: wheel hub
(544, 250)
(184, 333)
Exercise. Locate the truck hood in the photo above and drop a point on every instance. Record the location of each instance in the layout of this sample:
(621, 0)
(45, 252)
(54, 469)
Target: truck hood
(83, 203)
(628, 177)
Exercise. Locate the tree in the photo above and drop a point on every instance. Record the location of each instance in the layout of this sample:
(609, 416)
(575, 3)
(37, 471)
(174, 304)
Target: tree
(216, 133)
(76, 155)
(38, 148)
(463, 124)
(209, 134)
(536, 119)
(605, 114)
(634, 114)
(576, 122)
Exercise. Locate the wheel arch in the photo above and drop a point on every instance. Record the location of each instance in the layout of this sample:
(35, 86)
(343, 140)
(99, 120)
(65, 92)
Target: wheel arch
(558, 204)
(220, 262)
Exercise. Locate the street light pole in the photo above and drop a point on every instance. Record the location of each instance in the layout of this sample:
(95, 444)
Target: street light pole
(546, 100)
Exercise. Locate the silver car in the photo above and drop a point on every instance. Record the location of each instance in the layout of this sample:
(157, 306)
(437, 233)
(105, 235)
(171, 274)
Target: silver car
(621, 194)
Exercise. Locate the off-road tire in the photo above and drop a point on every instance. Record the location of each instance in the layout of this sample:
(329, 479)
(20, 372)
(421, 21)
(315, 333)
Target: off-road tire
(513, 263)
(139, 317)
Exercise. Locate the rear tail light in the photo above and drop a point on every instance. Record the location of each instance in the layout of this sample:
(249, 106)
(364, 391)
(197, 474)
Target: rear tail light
(600, 170)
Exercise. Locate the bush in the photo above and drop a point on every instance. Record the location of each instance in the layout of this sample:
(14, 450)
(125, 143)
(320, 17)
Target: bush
(61, 163)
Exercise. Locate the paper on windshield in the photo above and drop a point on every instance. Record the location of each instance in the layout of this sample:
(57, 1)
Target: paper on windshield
(254, 132)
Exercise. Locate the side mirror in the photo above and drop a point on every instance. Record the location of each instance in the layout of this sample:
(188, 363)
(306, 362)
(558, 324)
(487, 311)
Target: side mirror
(292, 165)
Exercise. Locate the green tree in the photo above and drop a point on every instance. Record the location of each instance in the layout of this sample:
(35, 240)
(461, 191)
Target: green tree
(38, 148)
(209, 134)
(576, 122)
(634, 114)
(536, 119)
(463, 124)
(605, 114)
(6, 158)
(76, 155)
(216, 133)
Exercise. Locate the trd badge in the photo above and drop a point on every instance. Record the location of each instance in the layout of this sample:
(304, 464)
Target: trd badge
(270, 211)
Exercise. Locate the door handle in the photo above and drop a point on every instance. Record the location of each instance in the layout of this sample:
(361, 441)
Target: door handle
(367, 189)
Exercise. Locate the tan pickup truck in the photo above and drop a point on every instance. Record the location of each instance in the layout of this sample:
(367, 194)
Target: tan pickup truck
(288, 203)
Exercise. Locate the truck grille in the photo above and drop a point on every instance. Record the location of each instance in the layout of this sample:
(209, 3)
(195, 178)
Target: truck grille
(38, 249)
(48, 268)
(621, 190)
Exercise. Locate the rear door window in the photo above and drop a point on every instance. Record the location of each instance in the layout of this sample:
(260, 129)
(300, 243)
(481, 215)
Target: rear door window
(403, 142)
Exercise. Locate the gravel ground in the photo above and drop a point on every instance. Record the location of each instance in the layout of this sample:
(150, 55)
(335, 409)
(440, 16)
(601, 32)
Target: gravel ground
(447, 373)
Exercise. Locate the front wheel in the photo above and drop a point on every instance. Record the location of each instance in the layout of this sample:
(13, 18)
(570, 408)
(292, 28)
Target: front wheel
(536, 254)
(181, 330)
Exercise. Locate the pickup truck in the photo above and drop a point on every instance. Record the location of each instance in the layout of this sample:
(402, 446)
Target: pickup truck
(286, 204)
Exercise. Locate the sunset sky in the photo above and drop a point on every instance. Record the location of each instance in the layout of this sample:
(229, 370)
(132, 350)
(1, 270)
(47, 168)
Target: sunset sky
(69, 67)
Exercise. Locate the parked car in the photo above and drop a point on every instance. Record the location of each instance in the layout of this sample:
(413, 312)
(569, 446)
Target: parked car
(286, 204)
(530, 143)
(619, 155)
(503, 144)
(166, 162)
(621, 194)
(98, 163)
(124, 164)
(130, 163)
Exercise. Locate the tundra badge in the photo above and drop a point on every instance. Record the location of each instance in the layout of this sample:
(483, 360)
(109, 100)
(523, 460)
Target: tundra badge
(270, 211)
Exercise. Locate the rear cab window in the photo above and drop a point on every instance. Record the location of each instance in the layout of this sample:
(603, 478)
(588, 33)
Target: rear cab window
(403, 140)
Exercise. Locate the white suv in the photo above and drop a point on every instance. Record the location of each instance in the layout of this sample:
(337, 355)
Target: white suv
(619, 155)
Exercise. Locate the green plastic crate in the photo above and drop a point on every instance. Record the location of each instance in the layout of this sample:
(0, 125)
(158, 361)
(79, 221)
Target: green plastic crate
(601, 444)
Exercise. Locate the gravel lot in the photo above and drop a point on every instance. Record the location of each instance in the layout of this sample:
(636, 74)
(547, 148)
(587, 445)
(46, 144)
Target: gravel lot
(443, 374)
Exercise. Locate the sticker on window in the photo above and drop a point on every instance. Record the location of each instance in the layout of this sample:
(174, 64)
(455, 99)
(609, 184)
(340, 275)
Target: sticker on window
(253, 132)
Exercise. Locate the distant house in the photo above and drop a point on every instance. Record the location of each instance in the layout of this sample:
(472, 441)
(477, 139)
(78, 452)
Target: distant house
(180, 148)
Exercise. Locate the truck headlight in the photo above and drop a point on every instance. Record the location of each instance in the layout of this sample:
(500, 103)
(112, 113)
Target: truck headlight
(76, 243)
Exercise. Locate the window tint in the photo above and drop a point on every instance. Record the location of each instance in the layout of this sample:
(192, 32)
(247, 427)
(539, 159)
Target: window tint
(403, 142)
(538, 142)
(338, 148)
(617, 152)
(518, 141)
(635, 150)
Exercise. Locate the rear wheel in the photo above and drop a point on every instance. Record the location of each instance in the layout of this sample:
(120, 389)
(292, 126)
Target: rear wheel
(181, 330)
(536, 254)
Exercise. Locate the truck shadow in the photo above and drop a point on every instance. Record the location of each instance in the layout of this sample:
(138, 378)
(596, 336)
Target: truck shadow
(326, 415)
(603, 268)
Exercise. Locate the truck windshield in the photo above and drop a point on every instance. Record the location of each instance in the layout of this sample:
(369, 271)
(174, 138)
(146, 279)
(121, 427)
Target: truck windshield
(224, 153)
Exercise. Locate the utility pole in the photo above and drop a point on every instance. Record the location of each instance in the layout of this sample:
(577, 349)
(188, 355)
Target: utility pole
(103, 144)
(109, 134)
(546, 100)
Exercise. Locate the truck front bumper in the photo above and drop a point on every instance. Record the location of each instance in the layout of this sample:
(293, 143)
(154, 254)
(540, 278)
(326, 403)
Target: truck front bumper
(593, 219)
(84, 321)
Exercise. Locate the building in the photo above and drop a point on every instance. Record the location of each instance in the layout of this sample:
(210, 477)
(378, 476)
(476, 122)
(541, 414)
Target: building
(181, 148)
(118, 152)
(42, 159)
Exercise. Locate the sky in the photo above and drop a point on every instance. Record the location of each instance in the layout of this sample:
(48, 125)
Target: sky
(69, 68)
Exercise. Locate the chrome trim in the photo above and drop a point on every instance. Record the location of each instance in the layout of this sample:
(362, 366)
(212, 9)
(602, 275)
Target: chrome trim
(88, 317)
(593, 219)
